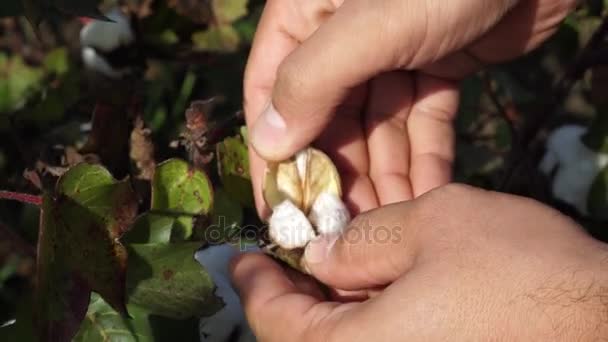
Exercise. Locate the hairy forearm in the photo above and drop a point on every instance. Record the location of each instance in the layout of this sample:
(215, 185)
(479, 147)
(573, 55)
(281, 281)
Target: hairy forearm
(574, 304)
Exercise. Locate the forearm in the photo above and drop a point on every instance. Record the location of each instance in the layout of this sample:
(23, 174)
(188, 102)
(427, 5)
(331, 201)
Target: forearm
(575, 303)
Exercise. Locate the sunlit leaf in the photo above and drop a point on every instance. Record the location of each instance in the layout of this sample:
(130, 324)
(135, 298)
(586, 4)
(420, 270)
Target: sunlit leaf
(181, 190)
(18, 82)
(166, 280)
(227, 11)
(56, 61)
(233, 165)
(217, 39)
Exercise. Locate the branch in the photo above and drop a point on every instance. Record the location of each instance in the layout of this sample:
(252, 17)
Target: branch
(489, 88)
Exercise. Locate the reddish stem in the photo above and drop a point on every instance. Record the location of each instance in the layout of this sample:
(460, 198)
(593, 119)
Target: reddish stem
(23, 198)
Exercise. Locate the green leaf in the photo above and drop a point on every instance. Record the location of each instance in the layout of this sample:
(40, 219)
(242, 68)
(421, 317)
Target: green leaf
(56, 61)
(227, 219)
(503, 135)
(470, 97)
(597, 199)
(247, 26)
(151, 228)
(217, 39)
(227, 11)
(186, 192)
(166, 280)
(596, 137)
(51, 107)
(78, 248)
(233, 165)
(18, 82)
(102, 323)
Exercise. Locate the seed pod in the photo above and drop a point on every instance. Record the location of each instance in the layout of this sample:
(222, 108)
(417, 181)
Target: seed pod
(301, 179)
(304, 193)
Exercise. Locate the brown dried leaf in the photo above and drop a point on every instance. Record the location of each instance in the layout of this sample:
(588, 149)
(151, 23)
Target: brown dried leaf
(142, 150)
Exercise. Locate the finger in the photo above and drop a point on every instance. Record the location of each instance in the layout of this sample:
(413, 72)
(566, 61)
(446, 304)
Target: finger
(344, 141)
(377, 248)
(388, 107)
(305, 284)
(524, 28)
(314, 79)
(270, 46)
(431, 133)
(269, 297)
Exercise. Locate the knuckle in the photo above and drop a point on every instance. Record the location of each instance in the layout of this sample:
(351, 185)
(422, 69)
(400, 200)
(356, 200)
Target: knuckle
(438, 207)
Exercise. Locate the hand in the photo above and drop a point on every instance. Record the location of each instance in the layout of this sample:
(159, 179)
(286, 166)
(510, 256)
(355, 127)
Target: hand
(457, 264)
(341, 75)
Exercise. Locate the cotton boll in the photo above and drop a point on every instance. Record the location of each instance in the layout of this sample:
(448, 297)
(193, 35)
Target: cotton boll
(289, 227)
(575, 165)
(328, 214)
(230, 321)
(107, 36)
(94, 61)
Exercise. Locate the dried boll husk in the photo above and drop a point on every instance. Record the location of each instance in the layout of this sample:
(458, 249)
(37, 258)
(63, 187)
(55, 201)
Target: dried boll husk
(304, 193)
(301, 179)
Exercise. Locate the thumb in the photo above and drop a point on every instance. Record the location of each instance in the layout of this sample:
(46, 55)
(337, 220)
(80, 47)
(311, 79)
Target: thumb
(360, 40)
(377, 248)
(315, 79)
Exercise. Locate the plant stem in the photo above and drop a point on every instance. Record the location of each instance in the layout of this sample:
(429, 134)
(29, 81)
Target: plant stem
(20, 197)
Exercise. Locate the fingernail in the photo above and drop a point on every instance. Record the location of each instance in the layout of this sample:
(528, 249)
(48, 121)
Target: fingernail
(317, 250)
(268, 131)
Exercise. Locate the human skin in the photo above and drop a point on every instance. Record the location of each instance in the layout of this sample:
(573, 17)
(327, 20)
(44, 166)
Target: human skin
(375, 84)
(459, 264)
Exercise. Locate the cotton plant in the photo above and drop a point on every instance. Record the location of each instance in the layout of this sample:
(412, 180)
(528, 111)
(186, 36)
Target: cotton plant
(574, 165)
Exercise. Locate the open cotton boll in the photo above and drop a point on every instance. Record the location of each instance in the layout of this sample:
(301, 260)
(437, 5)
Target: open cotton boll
(329, 214)
(95, 61)
(289, 227)
(228, 324)
(575, 165)
(107, 36)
